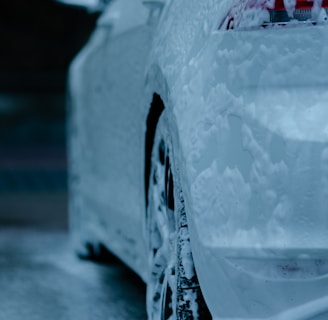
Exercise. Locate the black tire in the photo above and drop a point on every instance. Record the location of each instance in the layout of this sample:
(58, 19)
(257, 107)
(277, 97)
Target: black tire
(173, 291)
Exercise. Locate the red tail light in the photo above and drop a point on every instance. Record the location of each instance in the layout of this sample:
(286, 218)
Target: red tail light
(248, 14)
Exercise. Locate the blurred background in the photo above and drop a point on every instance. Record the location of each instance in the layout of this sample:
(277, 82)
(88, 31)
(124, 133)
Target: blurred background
(40, 277)
(38, 40)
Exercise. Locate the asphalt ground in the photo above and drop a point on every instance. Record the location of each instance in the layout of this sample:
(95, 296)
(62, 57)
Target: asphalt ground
(41, 279)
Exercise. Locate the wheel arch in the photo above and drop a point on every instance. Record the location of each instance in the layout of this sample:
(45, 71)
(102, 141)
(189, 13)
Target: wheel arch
(156, 109)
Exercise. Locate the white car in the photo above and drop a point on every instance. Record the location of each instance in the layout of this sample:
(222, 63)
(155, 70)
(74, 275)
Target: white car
(199, 154)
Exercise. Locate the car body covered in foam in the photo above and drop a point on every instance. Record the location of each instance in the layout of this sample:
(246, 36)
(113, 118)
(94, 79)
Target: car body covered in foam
(248, 118)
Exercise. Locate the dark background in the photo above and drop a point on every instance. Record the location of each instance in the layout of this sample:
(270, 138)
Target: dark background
(38, 40)
(40, 276)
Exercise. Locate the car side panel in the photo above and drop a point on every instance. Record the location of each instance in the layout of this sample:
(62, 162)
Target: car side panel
(248, 112)
(111, 115)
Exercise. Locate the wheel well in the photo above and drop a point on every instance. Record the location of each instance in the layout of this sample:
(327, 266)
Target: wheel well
(156, 109)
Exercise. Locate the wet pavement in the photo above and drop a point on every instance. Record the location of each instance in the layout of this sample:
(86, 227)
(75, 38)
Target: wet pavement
(41, 279)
